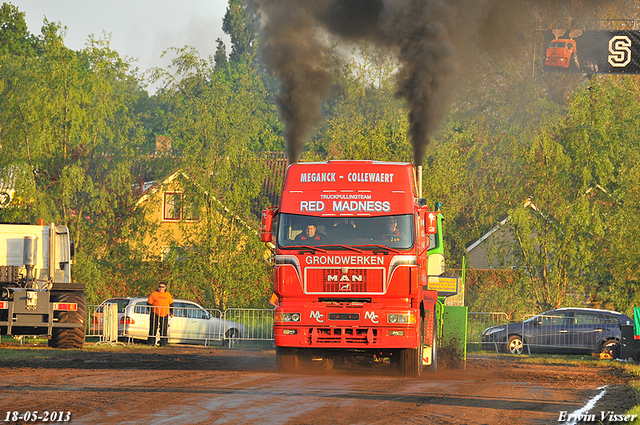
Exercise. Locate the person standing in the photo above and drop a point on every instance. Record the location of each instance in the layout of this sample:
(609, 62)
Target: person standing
(162, 307)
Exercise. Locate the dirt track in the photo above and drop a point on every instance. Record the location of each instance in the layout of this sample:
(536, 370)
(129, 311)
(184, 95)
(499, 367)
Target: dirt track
(188, 385)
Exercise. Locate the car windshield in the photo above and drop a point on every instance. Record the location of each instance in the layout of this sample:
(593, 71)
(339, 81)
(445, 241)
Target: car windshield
(365, 233)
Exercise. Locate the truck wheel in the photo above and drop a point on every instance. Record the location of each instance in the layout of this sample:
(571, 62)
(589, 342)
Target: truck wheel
(434, 351)
(411, 361)
(311, 363)
(287, 360)
(411, 358)
(70, 337)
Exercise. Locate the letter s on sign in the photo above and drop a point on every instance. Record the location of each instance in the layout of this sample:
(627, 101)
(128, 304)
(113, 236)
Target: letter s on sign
(620, 52)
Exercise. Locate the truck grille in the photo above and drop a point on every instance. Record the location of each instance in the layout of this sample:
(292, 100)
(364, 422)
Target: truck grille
(344, 316)
(333, 336)
(319, 280)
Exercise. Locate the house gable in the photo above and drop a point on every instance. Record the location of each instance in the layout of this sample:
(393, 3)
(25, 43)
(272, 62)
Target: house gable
(494, 249)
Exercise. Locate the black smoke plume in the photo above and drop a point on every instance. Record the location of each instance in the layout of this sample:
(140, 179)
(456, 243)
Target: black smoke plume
(429, 38)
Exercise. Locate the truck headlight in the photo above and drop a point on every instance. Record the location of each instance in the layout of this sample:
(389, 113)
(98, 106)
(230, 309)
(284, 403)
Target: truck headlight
(402, 319)
(287, 317)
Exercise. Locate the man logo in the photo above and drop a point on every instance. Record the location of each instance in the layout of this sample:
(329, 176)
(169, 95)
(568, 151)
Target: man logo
(344, 278)
(371, 316)
(316, 315)
(619, 47)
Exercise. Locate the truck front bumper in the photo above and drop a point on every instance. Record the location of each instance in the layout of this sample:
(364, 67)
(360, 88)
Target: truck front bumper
(345, 337)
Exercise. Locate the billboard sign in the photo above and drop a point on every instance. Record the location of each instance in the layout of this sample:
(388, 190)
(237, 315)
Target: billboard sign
(589, 52)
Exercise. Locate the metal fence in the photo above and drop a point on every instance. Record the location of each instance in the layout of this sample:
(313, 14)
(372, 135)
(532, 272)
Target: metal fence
(186, 325)
(477, 322)
(485, 330)
(563, 331)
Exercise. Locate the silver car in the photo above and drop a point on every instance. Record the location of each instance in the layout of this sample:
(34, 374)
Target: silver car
(96, 328)
(190, 324)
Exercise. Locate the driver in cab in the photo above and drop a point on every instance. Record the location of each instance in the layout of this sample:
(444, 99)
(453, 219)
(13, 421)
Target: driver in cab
(391, 232)
(309, 234)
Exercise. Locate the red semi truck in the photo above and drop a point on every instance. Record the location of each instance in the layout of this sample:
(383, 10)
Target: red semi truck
(356, 250)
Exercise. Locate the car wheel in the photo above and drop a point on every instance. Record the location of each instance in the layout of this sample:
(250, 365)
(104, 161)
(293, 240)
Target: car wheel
(515, 345)
(231, 334)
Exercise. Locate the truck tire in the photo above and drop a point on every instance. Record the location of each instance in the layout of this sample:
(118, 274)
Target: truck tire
(70, 337)
(610, 347)
(312, 362)
(411, 362)
(301, 360)
(434, 351)
(411, 358)
(287, 360)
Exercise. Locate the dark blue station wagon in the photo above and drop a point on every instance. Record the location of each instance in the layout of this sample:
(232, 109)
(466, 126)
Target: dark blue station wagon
(565, 330)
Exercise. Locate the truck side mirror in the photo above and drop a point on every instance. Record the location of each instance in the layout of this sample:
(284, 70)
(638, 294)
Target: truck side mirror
(430, 222)
(267, 224)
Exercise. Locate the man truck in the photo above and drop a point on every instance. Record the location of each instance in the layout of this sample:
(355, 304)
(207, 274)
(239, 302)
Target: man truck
(37, 296)
(365, 285)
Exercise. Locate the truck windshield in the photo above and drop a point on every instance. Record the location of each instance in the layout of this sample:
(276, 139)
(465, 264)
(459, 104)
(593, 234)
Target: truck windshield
(391, 231)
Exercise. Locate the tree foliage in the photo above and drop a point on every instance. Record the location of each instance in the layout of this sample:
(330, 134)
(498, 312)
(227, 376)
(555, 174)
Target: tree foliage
(68, 126)
(219, 120)
(15, 38)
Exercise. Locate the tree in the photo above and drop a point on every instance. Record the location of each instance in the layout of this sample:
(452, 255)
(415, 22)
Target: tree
(220, 57)
(219, 119)
(241, 22)
(68, 117)
(15, 38)
(573, 172)
(364, 118)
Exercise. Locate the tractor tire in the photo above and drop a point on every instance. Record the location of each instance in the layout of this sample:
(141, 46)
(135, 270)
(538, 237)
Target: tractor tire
(70, 337)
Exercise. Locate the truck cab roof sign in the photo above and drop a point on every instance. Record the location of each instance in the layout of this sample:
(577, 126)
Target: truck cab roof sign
(351, 177)
(348, 188)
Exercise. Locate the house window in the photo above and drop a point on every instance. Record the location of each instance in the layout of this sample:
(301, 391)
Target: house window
(172, 202)
(175, 209)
